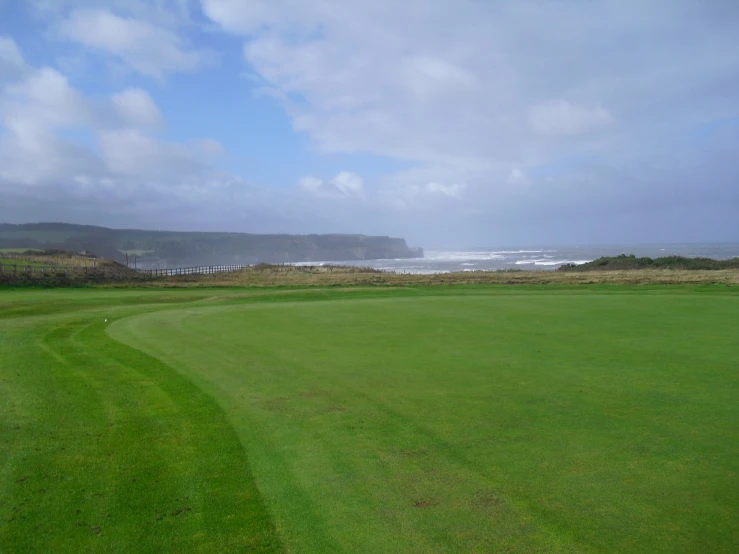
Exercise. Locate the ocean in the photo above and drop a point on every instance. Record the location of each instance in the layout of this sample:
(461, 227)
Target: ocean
(539, 258)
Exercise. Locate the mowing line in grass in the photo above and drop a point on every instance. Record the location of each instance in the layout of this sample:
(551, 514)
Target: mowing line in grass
(108, 449)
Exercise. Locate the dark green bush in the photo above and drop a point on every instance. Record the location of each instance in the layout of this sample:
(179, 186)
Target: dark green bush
(629, 261)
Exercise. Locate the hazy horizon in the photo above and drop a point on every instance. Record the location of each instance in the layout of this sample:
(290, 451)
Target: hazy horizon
(450, 124)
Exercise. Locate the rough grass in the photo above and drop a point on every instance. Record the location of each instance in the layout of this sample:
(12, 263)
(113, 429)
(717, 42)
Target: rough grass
(350, 276)
(270, 275)
(20, 263)
(18, 250)
(440, 419)
(53, 272)
(9, 258)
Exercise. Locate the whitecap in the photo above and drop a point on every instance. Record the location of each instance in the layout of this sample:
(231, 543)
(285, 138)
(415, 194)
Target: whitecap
(546, 262)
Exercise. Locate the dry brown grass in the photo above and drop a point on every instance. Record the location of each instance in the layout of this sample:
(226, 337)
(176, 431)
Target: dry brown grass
(52, 259)
(350, 276)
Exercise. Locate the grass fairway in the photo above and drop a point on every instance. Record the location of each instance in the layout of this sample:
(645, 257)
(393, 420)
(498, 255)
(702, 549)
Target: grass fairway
(480, 419)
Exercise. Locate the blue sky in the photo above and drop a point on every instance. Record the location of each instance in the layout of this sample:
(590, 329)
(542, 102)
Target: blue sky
(448, 123)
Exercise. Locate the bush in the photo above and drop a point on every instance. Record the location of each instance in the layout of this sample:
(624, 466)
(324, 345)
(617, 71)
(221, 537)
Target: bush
(629, 261)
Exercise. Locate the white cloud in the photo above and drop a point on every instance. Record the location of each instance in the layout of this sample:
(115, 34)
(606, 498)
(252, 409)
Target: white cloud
(11, 59)
(167, 13)
(42, 100)
(41, 161)
(148, 49)
(562, 118)
(418, 88)
(136, 107)
(495, 110)
(518, 177)
(344, 185)
(311, 184)
(131, 152)
(51, 130)
(473, 85)
(348, 183)
(428, 77)
(454, 189)
(208, 148)
(33, 108)
(406, 194)
(247, 17)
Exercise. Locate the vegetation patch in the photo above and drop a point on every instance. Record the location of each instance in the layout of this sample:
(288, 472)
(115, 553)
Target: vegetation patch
(631, 262)
(267, 275)
(20, 250)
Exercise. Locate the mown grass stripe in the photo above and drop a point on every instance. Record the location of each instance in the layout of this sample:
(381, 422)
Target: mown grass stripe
(108, 449)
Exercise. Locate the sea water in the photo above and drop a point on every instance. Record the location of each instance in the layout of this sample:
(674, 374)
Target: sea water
(535, 257)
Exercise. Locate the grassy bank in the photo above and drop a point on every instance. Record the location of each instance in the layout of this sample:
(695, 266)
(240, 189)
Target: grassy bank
(350, 276)
(420, 419)
(27, 270)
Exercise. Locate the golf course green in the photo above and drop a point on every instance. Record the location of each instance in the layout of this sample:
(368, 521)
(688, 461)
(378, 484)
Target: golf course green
(428, 419)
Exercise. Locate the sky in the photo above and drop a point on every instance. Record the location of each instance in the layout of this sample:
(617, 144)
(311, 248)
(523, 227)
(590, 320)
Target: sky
(447, 122)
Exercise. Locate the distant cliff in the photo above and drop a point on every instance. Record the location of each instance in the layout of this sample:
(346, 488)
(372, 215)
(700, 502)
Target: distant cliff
(185, 248)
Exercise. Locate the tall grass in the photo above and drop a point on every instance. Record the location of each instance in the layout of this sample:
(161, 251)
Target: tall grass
(349, 276)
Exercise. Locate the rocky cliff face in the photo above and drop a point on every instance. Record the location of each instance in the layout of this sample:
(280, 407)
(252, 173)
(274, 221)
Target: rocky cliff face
(174, 248)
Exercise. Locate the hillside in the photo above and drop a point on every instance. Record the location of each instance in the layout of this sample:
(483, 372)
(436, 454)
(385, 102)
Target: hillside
(156, 248)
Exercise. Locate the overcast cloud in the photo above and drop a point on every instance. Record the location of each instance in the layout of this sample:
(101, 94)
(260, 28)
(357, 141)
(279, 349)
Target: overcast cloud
(452, 123)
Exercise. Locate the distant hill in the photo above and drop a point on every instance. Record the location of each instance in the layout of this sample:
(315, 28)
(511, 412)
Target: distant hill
(630, 261)
(158, 248)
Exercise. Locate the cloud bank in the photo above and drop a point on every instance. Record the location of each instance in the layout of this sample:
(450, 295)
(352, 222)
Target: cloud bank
(521, 122)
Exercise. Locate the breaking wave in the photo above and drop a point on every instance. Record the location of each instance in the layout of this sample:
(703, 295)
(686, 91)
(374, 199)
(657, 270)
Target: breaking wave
(548, 262)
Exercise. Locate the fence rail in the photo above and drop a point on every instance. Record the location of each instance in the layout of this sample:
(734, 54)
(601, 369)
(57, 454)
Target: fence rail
(17, 273)
(199, 270)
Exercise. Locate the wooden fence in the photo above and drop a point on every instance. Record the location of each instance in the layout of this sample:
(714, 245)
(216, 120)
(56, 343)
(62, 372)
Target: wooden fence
(108, 273)
(199, 270)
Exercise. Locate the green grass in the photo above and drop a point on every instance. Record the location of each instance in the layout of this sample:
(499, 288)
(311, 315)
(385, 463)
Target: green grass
(21, 263)
(465, 419)
(18, 250)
